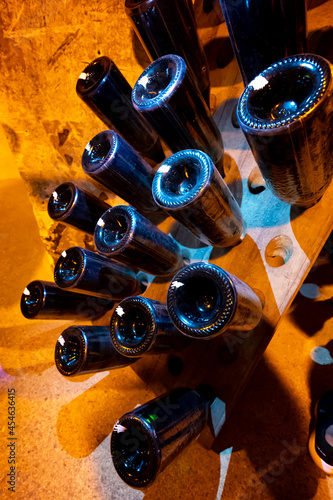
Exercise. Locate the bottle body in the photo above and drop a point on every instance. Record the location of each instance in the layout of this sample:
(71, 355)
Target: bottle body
(87, 349)
(286, 122)
(204, 301)
(263, 32)
(143, 326)
(45, 300)
(110, 160)
(84, 270)
(167, 97)
(169, 27)
(105, 90)
(126, 236)
(146, 440)
(75, 206)
(189, 188)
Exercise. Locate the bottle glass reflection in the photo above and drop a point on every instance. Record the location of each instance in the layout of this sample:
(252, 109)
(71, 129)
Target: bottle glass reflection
(169, 27)
(84, 270)
(76, 207)
(105, 90)
(126, 236)
(45, 300)
(204, 301)
(146, 440)
(87, 349)
(286, 115)
(168, 98)
(110, 160)
(190, 189)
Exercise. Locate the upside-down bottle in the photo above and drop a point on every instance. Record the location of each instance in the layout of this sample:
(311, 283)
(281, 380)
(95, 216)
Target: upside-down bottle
(68, 203)
(189, 188)
(126, 236)
(83, 270)
(204, 301)
(110, 160)
(167, 97)
(286, 114)
(45, 300)
(169, 27)
(105, 90)
(143, 326)
(87, 349)
(146, 440)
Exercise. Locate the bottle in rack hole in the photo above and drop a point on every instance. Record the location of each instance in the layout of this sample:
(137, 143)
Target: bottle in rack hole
(75, 206)
(45, 300)
(126, 236)
(204, 301)
(167, 97)
(105, 90)
(87, 349)
(286, 114)
(84, 270)
(189, 188)
(143, 326)
(169, 27)
(146, 440)
(110, 160)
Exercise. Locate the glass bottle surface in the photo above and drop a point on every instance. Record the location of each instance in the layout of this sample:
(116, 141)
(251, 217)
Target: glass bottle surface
(167, 97)
(110, 160)
(105, 90)
(87, 349)
(83, 270)
(68, 203)
(45, 300)
(189, 188)
(143, 326)
(204, 301)
(286, 114)
(126, 236)
(169, 27)
(264, 31)
(146, 440)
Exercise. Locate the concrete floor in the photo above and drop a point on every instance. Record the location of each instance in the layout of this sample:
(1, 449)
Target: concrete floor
(63, 426)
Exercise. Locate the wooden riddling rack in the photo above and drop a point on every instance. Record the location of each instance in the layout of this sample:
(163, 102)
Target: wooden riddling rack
(280, 247)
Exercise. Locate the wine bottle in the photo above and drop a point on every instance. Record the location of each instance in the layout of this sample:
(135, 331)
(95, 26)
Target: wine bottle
(128, 237)
(110, 160)
(45, 300)
(87, 349)
(167, 97)
(105, 90)
(84, 270)
(189, 188)
(264, 31)
(286, 114)
(76, 207)
(204, 301)
(146, 440)
(143, 326)
(169, 27)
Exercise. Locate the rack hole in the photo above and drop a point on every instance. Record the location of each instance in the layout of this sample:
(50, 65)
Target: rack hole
(256, 183)
(278, 251)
